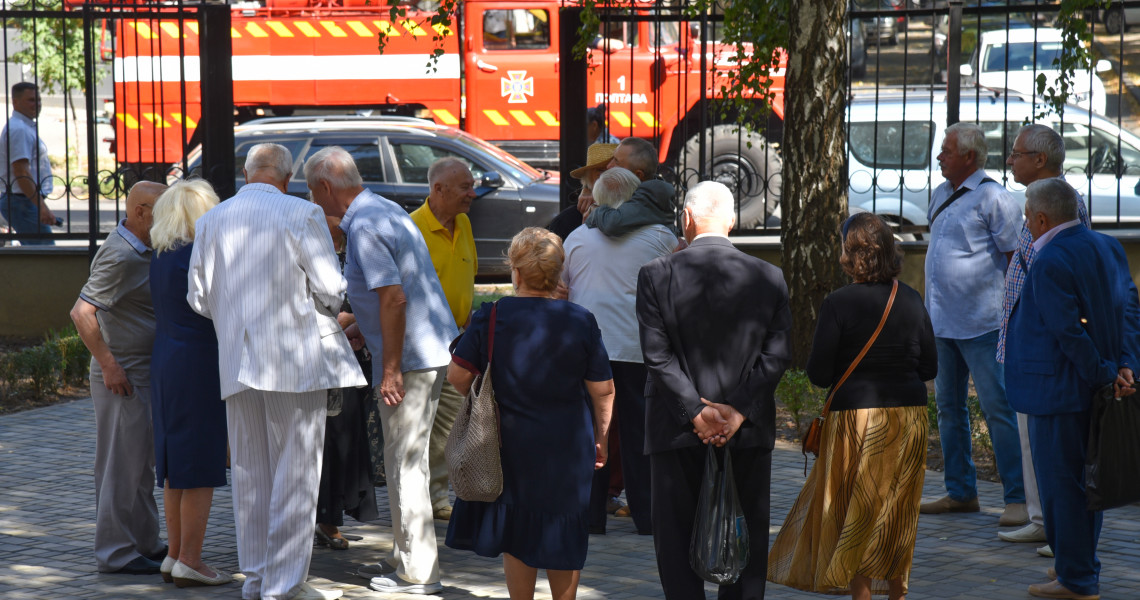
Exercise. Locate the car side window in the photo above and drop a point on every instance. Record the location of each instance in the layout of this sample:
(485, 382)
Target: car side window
(516, 29)
(999, 142)
(892, 144)
(1090, 150)
(413, 160)
(365, 152)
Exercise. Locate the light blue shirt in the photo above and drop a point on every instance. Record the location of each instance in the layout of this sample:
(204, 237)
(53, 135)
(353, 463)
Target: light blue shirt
(965, 261)
(384, 247)
(20, 140)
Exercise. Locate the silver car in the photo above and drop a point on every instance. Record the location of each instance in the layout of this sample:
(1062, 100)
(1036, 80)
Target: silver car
(893, 143)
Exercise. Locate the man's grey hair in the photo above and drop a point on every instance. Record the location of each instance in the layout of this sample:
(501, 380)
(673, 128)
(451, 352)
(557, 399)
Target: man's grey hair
(1046, 140)
(710, 200)
(270, 156)
(642, 157)
(443, 166)
(1054, 197)
(970, 137)
(334, 165)
(615, 186)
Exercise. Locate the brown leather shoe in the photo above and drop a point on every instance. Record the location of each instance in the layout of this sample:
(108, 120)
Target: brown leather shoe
(947, 504)
(1054, 589)
(1052, 573)
(1014, 515)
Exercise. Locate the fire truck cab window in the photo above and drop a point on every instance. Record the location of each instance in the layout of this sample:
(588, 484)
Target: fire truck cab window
(365, 152)
(414, 160)
(516, 29)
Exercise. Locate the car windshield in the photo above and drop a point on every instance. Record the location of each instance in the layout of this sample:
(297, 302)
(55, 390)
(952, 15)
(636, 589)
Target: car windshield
(1023, 56)
(519, 170)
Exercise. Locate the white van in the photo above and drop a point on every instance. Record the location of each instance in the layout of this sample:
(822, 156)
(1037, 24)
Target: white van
(893, 141)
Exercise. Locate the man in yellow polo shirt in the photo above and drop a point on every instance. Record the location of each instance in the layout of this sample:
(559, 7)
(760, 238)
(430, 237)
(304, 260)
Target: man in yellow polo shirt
(444, 224)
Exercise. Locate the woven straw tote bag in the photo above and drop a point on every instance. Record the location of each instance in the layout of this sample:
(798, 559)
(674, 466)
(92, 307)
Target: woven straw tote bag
(472, 451)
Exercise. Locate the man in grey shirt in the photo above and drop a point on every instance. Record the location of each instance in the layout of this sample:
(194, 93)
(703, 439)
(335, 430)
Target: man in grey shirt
(115, 319)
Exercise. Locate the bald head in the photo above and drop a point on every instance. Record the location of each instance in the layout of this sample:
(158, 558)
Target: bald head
(140, 203)
(270, 164)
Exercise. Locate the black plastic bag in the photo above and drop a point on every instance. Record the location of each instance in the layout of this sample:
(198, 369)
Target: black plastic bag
(1112, 464)
(719, 550)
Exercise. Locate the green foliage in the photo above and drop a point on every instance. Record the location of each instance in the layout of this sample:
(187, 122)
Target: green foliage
(932, 412)
(805, 401)
(440, 23)
(74, 358)
(1076, 33)
(54, 48)
(979, 431)
(36, 372)
(38, 365)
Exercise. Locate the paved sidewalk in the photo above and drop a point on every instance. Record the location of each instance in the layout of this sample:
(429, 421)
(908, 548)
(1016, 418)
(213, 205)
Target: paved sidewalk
(47, 508)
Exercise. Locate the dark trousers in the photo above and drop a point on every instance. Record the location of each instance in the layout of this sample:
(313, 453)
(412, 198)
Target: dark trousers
(676, 478)
(1059, 444)
(629, 404)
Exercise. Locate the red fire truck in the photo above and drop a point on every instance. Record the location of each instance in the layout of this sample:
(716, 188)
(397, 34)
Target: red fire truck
(497, 79)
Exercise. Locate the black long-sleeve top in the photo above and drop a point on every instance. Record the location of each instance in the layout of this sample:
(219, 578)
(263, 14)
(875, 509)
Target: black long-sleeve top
(901, 359)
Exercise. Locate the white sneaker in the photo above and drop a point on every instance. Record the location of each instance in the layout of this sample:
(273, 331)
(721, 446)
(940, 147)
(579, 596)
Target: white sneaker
(308, 592)
(392, 584)
(1045, 551)
(375, 570)
(1031, 533)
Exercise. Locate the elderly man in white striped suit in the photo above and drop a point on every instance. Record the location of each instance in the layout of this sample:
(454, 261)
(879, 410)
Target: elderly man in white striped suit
(264, 270)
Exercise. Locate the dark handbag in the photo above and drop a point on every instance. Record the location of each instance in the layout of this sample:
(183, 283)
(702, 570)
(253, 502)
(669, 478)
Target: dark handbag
(474, 465)
(719, 550)
(812, 440)
(1113, 460)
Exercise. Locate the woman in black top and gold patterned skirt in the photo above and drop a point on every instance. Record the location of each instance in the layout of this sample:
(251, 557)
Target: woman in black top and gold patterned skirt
(853, 527)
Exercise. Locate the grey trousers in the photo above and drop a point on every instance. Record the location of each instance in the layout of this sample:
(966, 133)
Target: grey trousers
(450, 401)
(126, 515)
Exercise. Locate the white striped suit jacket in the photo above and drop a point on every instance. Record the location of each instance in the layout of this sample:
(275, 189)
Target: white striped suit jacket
(264, 269)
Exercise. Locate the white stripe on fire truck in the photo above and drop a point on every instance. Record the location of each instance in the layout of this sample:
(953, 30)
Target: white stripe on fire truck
(291, 68)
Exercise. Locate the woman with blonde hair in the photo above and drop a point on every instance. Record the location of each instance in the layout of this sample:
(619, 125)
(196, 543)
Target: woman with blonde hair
(853, 527)
(551, 377)
(186, 401)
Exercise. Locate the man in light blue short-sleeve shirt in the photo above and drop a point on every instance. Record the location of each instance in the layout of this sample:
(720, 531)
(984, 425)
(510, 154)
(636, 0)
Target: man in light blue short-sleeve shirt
(974, 224)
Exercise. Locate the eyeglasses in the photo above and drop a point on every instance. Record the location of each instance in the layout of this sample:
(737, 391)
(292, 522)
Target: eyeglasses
(1016, 155)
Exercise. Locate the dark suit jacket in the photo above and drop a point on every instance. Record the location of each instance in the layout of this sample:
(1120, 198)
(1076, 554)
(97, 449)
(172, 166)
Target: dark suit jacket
(1066, 333)
(714, 324)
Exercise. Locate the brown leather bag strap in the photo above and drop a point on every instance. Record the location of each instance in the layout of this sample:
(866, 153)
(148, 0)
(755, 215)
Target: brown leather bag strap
(862, 353)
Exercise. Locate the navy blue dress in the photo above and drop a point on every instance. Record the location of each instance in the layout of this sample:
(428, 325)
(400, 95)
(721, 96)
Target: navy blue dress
(186, 399)
(544, 349)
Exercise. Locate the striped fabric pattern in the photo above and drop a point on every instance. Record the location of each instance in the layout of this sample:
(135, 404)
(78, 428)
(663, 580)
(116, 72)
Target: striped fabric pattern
(858, 510)
(264, 270)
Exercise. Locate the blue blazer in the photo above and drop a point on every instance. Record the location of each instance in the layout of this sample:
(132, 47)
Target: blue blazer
(1069, 332)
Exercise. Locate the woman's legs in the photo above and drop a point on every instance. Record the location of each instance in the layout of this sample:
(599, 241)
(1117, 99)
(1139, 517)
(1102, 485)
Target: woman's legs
(172, 508)
(897, 589)
(195, 511)
(520, 578)
(563, 584)
(860, 588)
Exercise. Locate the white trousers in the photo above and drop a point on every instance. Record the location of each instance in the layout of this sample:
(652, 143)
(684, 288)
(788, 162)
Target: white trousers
(450, 401)
(126, 515)
(276, 441)
(407, 429)
(1028, 475)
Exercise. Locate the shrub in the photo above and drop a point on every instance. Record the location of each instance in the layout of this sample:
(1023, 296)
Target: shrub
(979, 430)
(74, 358)
(932, 412)
(796, 392)
(39, 366)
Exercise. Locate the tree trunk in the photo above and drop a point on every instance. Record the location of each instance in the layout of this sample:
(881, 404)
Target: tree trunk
(815, 178)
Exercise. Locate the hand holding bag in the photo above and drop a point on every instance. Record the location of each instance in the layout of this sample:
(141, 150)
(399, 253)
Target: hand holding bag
(811, 441)
(472, 450)
(719, 550)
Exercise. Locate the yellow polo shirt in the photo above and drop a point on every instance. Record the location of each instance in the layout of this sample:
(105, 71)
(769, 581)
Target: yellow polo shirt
(454, 259)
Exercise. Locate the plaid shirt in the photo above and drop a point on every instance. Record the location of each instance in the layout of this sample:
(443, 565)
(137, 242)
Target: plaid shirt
(1019, 265)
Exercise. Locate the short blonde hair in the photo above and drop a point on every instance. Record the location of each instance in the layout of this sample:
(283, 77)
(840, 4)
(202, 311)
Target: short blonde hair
(176, 210)
(537, 254)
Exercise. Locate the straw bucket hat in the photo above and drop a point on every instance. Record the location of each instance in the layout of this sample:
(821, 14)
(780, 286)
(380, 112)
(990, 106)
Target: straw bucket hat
(597, 157)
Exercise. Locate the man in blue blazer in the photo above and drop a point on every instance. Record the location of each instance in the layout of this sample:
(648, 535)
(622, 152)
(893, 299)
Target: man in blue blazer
(1067, 341)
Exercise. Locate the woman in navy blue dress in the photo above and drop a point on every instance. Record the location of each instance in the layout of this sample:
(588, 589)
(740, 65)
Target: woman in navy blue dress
(188, 411)
(552, 380)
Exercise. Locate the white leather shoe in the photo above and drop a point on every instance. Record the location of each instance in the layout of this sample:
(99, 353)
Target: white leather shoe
(393, 584)
(186, 577)
(308, 592)
(1045, 551)
(166, 567)
(1031, 533)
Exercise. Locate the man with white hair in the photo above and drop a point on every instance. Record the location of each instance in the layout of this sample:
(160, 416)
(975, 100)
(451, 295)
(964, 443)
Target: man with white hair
(974, 224)
(264, 269)
(601, 275)
(715, 334)
(1073, 318)
(403, 313)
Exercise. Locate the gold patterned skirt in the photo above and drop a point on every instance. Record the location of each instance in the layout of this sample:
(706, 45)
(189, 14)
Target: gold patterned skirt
(858, 510)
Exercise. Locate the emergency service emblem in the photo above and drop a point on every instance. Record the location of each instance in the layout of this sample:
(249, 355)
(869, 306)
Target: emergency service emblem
(518, 86)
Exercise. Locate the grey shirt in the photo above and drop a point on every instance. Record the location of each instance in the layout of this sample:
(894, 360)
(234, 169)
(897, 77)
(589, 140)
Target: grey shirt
(119, 286)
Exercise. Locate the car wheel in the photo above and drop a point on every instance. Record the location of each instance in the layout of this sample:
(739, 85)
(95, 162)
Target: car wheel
(1114, 20)
(741, 160)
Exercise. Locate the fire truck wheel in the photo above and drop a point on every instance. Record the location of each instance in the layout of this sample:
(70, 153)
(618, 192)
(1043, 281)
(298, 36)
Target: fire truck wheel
(742, 160)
